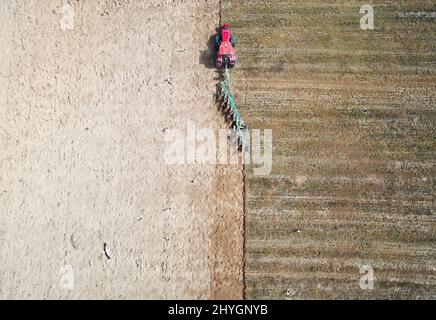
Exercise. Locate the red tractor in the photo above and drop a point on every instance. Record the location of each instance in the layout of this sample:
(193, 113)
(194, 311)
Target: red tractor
(225, 44)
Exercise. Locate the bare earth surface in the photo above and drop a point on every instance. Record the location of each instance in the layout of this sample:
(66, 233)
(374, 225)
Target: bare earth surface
(83, 114)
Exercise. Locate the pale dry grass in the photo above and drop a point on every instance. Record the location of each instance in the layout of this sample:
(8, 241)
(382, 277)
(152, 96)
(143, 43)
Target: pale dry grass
(353, 118)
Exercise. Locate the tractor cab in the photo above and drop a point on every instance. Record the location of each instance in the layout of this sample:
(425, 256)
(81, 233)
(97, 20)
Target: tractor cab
(225, 43)
(225, 33)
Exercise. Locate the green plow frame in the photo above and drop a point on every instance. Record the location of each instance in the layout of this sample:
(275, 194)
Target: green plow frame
(228, 100)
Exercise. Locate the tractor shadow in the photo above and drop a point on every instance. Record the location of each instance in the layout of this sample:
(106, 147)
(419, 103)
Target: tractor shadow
(207, 56)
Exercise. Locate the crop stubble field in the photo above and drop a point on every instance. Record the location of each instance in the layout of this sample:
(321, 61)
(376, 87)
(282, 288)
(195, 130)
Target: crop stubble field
(353, 117)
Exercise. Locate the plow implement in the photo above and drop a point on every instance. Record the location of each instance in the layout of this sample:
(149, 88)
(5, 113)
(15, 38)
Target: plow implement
(225, 42)
(230, 110)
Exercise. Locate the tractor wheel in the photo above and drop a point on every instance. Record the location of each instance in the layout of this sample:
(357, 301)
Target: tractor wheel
(217, 41)
(233, 40)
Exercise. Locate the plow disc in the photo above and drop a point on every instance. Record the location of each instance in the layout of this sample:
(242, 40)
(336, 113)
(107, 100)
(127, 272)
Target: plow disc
(227, 100)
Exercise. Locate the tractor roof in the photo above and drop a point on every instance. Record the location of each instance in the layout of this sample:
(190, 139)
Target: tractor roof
(225, 35)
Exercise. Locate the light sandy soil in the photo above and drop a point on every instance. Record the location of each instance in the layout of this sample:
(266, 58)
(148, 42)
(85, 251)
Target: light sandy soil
(83, 114)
